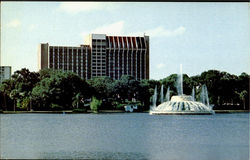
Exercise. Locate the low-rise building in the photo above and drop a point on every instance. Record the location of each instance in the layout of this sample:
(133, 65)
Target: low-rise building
(5, 73)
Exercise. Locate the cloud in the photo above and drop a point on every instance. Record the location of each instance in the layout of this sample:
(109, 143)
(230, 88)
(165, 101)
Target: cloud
(162, 32)
(116, 28)
(160, 65)
(14, 23)
(77, 7)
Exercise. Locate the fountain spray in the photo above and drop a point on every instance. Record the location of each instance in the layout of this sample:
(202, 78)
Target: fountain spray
(162, 96)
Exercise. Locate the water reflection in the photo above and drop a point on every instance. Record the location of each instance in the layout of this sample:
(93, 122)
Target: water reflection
(93, 155)
(124, 136)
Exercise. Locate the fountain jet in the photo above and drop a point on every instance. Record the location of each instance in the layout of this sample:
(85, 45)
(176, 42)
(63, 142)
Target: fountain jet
(168, 95)
(154, 98)
(182, 104)
(193, 94)
(162, 96)
(179, 84)
(204, 95)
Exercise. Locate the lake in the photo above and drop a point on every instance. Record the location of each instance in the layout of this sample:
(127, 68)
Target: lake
(125, 136)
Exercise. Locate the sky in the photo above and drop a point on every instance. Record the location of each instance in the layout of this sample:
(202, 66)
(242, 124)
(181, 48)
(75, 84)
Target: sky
(199, 36)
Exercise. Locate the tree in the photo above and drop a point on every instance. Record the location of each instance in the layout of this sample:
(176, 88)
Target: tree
(187, 84)
(6, 87)
(19, 87)
(228, 87)
(102, 86)
(126, 88)
(242, 89)
(45, 73)
(152, 84)
(60, 88)
(145, 93)
(170, 82)
(212, 80)
(243, 96)
(77, 100)
(24, 83)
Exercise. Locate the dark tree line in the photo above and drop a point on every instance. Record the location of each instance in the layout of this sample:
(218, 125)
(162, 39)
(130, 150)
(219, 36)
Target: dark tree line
(56, 90)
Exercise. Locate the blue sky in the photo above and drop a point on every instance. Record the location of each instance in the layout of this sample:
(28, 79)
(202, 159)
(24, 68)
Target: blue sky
(200, 36)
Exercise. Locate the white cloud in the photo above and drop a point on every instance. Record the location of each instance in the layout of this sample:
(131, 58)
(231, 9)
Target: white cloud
(162, 32)
(14, 23)
(116, 28)
(160, 65)
(76, 7)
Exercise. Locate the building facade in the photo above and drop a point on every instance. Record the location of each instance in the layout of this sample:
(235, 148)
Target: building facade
(5, 73)
(74, 59)
(102, 55)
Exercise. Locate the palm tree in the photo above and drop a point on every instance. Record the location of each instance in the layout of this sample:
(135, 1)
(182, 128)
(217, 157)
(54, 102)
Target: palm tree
(242, 96)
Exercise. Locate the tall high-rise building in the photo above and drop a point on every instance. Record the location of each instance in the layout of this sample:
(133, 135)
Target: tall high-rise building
(5, 73)
(101, 55)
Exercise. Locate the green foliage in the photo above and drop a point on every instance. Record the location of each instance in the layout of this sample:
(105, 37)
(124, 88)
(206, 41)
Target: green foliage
(62, 88)
(145, 92)
(118, 105)
(56, 107)
(24, 81)
(20, 86)
(95, 104)
(51, 89)
(45, 73)
(243, 96)
(170, 81)
(223, 87)
(102, 87)
(126, 88)
(25, 102)
(22, 104)
(77, 100)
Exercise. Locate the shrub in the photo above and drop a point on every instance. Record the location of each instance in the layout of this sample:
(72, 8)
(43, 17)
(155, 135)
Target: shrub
(22, 104)
(25, 102)
(120, 106)
(56, 107)
(80, 110)
(95, 105)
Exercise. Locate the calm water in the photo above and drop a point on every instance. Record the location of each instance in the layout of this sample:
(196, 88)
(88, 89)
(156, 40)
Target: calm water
(125, 136)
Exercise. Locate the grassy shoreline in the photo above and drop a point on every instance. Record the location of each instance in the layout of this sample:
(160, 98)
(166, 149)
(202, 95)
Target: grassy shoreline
(61, 112)
(105, 111)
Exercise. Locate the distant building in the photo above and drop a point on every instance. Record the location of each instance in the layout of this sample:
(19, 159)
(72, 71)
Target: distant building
(5, 73)
(102, 55)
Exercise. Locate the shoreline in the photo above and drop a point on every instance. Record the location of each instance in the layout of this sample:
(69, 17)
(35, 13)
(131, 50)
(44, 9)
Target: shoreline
(103, 112)
(61, 112)
(232, 111)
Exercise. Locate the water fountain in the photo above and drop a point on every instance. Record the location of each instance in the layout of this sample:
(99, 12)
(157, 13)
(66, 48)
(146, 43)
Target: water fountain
(182, 104)
(162, 98)
(193, 94)
(168, 94)
(154, 99)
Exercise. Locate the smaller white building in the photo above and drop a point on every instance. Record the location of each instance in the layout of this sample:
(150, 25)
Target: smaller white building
(5, 73)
